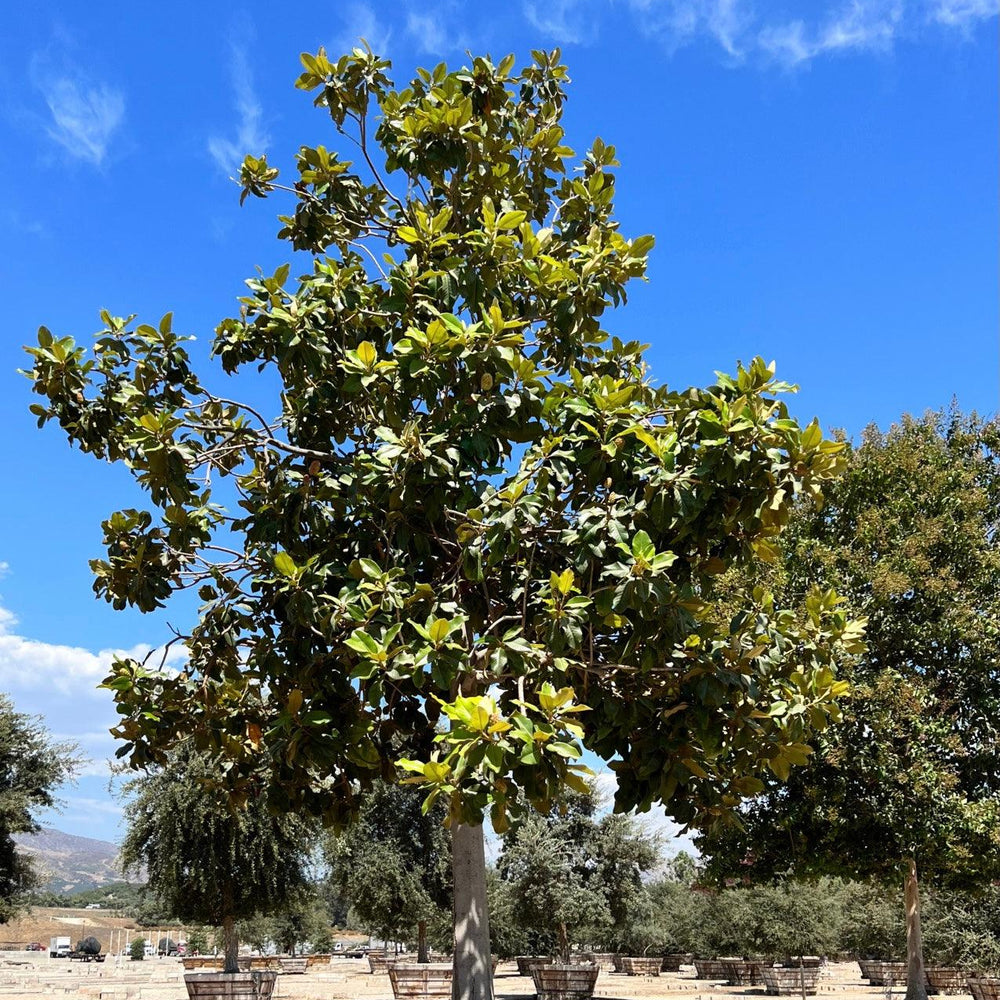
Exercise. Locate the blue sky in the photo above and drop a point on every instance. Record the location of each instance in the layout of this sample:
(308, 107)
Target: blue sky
(820, 176)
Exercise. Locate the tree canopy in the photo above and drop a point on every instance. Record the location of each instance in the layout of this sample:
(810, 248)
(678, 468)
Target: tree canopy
(393, 864)
(32, 767)
(467, 499)
(205, 861)
(910, 536)
(574, 875)
(909, 780)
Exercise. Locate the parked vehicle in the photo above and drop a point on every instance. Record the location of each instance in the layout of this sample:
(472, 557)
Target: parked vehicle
(60, 947)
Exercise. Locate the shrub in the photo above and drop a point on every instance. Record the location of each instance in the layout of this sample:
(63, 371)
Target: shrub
(137, 949)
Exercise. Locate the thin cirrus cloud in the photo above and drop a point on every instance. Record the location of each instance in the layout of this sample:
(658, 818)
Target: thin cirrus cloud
(85, 117)
(250, 137)
(773, 33)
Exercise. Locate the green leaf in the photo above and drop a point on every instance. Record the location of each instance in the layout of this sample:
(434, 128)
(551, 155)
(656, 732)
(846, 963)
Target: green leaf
(285, 564)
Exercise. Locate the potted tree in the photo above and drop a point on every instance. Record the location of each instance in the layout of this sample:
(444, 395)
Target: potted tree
(393, 866)
(210, 863)
(458, 498)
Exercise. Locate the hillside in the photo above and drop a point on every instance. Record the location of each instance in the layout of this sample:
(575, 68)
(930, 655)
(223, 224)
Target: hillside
(67, 863)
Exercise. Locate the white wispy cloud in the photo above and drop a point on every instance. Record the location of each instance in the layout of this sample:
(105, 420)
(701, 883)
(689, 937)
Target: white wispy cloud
(85, 116)
(359, 21)
(251, 136)
(963, 14)
(859, 26)
(787, 34)
(677, 23)
(568, 21)
(434, 34)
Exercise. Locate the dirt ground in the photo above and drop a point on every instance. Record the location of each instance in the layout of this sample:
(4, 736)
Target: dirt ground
(27, 976)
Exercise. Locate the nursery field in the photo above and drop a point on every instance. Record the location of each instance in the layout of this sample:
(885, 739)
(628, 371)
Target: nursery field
(29, 976)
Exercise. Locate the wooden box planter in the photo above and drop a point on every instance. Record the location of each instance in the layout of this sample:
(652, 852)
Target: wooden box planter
(526, 964)
(742, 971)
(984, 987)
(230, 985)
(644, 965)
(290, 966)
(888, 974)
(805, 961)
(869, 966)
(672, 963)
(602, 959)
(710, 968)
(420, 981)
(781, 982)
(379, 961)
(565, 982)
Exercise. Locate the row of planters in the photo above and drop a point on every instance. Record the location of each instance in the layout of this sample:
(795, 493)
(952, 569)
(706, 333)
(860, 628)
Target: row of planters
(940, 979)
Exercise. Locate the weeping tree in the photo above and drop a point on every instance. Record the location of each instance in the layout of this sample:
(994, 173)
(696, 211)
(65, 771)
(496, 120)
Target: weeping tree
(457, 499)
(32, 767)
(908, 783)
(393, 864)
(207, 861)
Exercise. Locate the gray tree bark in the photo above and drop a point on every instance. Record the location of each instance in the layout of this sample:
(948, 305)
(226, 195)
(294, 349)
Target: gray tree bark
(472, 978)
(916, 987)
(231, 945)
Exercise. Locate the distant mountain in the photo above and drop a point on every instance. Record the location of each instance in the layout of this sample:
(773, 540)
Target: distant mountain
(67, 863)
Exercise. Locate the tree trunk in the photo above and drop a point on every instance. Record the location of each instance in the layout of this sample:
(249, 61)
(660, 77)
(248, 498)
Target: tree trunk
(422, 941)
(472, 978)
(916, 987)
(563, 943)
(231, 945)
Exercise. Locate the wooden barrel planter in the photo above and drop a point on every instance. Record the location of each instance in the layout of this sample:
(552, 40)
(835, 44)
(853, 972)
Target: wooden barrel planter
(710, 968)
(803, 961)
(420, 980)
(230, 985)
(672, 963)
(742, 971)
(644, 965)
(984, 987)
(602, 959)
(379, 961)
(782, 982)
(565, 982)
(526, 964)
(290, 966)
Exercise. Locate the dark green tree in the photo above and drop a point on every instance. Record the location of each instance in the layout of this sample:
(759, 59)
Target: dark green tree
(910, 780)
(467, 502)
(32, 767)
(208, 861)
(393, 864)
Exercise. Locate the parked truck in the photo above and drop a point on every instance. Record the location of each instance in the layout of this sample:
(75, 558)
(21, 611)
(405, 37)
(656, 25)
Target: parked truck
(59, 947)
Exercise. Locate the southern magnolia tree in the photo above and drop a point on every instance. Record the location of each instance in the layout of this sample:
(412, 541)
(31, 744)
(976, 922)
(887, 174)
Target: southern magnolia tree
(910, 780)
(31, 768)
(467, 503)
(206, 862)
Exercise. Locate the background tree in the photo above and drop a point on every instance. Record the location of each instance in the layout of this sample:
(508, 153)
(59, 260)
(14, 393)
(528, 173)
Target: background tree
(467, 500)
(31, 768)
(576, 875)
(208, 862)
(393, 865)
(910, 780)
